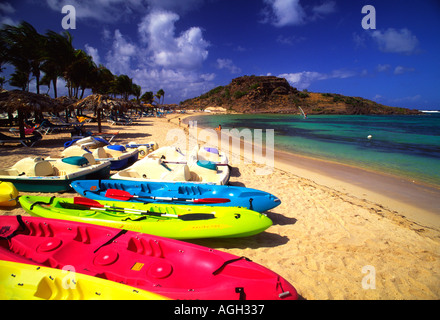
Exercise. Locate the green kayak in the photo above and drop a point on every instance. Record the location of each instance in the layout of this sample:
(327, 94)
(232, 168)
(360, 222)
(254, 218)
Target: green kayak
(171, 221)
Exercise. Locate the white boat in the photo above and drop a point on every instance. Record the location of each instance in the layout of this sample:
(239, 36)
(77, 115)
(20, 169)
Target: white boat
(161, 170)
(118, 156)
(53, 175)
(143, 148)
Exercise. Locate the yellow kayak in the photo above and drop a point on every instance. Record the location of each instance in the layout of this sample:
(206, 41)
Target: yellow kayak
(19, 281)
(7, 193)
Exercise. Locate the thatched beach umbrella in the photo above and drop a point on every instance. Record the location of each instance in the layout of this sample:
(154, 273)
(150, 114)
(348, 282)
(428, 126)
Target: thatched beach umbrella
(24, 102)
(99, 102)
(67, 104)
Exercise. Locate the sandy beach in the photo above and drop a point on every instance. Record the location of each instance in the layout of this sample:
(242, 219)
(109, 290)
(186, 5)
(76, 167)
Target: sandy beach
(332, 237)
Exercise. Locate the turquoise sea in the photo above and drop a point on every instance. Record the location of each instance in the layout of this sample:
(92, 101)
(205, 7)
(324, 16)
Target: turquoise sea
(407, 146)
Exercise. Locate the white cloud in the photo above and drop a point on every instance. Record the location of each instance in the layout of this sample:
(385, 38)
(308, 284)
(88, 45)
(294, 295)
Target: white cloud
(228, 65)
(282, 13)
(396, 41)
(161, 59)
(119, 59)
(177, 84)
(188, 50)
(208, 76)
(93, 52)
(112, 11)
(179, 6)
(7, 9)
(323, 9)
(401, 70)
(383, 67)
(302, 80)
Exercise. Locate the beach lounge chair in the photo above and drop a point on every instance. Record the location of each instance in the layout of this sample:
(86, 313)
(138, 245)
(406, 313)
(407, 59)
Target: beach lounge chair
(27, 141)
(80, 132)
(48, 127)
(27, 131)
(119, 121)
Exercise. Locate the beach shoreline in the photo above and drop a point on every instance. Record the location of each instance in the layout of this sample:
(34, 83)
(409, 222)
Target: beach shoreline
(324, 240)
(417, 201)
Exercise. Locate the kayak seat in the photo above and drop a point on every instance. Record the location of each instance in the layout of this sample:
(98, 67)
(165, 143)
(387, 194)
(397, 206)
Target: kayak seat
(178, 174)
(204, 173)
(208, 154)
(99, 153)
(69, 165)
(75, 161)
(72, 151)
(90, 158)
(114, 152)
(78, 151)
(130, 173)
(33, 167)
(41, 169)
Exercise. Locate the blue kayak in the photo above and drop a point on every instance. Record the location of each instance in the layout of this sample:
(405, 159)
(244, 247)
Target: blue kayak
(177, 193)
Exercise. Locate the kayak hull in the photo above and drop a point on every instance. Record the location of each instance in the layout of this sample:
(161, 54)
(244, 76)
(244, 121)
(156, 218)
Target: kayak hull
(171, 268)
(21, 281)
(216, 222)
(249, 198)
(8, 194)
(54, 175)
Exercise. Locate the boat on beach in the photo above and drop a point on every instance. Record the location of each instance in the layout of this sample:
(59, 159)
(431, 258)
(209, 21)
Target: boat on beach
(118, 155)
(172, 221)
(8, 194)
(170, 268)
(176, 193)
(52, 175)
(87, 142)
(23, 281)
(143, 148)
(149, 169)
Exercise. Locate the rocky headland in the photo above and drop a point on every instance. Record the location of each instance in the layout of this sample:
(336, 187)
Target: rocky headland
(269, 94)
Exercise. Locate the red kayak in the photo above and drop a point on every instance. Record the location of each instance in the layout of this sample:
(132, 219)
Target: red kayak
(172, 268)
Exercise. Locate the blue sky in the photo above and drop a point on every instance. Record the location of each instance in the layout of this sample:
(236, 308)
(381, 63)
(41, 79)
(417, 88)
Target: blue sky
(187, 47)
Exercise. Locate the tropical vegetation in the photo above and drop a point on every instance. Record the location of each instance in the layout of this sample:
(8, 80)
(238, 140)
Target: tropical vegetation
(48, 57)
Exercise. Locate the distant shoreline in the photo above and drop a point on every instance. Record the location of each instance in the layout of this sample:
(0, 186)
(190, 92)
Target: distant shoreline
(418, 201)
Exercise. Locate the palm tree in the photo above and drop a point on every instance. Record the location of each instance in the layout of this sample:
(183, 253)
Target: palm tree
(59, 54)
(160, 94)
(123, 86)
(147, 97)
(79, 73)
(24, 49)
(20, 79)
(136, 91)
(2, 82)
(103, 80)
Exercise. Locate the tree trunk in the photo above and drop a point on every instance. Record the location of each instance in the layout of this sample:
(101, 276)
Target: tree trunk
(21, 123)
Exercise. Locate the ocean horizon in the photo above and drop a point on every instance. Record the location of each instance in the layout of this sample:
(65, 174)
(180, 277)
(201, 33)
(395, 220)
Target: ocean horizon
(404, 146)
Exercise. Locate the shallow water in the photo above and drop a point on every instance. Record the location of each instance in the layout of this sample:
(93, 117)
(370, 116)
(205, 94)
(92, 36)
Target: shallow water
(407, 146)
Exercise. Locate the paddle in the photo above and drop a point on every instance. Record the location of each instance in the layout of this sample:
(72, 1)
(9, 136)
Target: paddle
(95, 205)
(125, 196)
